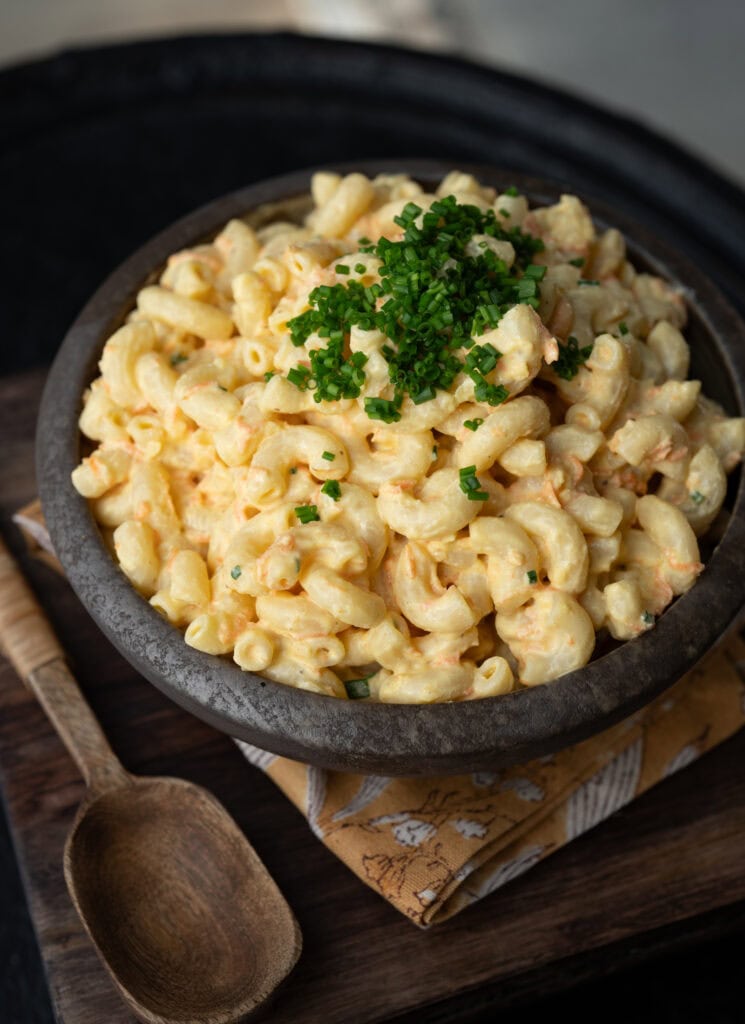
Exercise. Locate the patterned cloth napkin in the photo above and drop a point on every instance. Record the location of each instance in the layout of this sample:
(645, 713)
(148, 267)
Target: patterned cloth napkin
(433, 846)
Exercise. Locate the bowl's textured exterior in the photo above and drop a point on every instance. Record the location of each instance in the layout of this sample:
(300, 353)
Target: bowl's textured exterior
(380, 738)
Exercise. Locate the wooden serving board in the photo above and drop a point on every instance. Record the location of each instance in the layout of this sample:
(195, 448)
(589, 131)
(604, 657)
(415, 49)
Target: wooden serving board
(664, 870)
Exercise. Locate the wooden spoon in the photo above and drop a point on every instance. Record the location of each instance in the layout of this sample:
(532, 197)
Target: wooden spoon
(184, 915)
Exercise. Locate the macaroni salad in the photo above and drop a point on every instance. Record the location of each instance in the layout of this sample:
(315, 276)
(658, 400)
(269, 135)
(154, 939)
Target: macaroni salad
(422, 447)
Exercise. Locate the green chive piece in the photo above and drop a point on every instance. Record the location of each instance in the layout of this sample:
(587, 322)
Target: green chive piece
(473, 424)
(578, 261)
(332, 489)
(328, 456)
(536, 271)
(268, 375)
(697, 497)
(357, 689)
(178, 357)
(511, 191)
(482, 358)
(532, 576)
(647, 618)
(470, 484)
(571, 358)
(236, 571)
(360, 268)
(489, 393)
(408, 215)
(382, 409)
(307, 513)
(623, 328)
(299, 376)
(341, 268)
(425, 395)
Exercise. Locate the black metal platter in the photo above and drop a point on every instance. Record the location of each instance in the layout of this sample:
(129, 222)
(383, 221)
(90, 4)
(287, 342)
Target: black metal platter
(101, 148)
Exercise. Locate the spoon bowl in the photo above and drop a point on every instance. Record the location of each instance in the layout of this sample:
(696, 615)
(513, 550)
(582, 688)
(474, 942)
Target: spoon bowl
(177, 903)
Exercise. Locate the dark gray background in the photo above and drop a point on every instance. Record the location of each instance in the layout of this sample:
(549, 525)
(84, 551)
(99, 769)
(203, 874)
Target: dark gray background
(676, 64)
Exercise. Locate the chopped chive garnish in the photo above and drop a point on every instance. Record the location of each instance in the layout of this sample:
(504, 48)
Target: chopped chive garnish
(307, 513)
(473, 424)
(341, 268)
(268, 375)
(511, 191)
(178, 357)
(382, 409)
(236, 571)
(578, 261)
(293, 470)
(532, 576)
(696, 497)
(425, 395)
(328, 456)
(492, 394)
(332, 489)
(357, 688)
(431, 300)
(221, 388)
(527, 289)
(536, 271)
(363, 241)
(483, 358)
(470, 484)
(571, 357)
(408, 215)
(623, 327)
(647, 618)
(587, 280)
(360, 268)
(299, 376)
(505, 213)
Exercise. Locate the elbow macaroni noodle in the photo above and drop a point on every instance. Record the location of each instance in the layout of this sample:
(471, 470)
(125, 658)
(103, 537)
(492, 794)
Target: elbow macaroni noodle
(462, 548)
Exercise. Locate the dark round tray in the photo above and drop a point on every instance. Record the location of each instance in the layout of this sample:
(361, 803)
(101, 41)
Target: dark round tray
(100, 149)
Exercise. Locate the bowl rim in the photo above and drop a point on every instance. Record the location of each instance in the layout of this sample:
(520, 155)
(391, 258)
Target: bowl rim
(360, 736)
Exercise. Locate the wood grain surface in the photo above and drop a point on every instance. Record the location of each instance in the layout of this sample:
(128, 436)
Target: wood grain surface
(667, 868)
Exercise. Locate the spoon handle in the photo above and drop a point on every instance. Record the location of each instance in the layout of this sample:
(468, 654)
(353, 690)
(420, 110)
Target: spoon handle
(30, 644)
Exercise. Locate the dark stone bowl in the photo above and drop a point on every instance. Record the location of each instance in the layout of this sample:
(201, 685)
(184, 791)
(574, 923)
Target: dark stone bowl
(384, 738)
